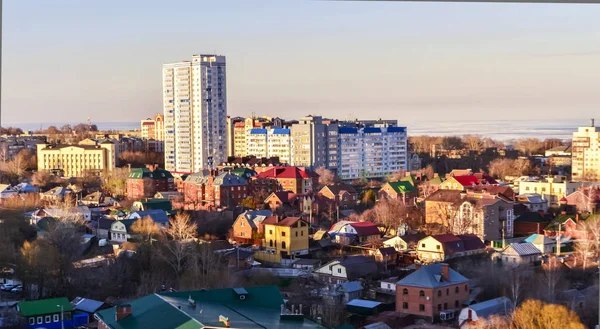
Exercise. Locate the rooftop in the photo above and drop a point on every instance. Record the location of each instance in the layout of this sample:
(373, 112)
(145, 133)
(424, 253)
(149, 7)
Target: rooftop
(44, 306)
(429, 276)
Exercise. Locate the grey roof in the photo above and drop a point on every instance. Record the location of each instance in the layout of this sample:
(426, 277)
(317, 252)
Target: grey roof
(87, 305)
(358, 266)
(524, 249)
(255, 217)
(307, 261)
(363, 303)
(157, 215)
(429, 276)
(500, 305)
(351, 286)
(223, 179)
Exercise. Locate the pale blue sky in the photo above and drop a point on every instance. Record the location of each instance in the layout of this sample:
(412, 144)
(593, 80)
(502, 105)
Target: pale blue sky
(65, 60)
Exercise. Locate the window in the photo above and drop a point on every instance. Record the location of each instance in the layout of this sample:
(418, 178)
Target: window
(270, 231)
(421, 308)
(296, 233)
(455, 303)
(339, 270)
(31, 320)
(439, 307)
(270, 243)
(40, 320)
(55, 317)
(421, 293)
(422, 245)
(447, 291)
(405, 305)
(48, 318)
(456, 290)
(439, 293)
(466, 288)
(301, 233)
(282, 233)
(405, 291)
(438, 247)
(445, 306)
(283, 245)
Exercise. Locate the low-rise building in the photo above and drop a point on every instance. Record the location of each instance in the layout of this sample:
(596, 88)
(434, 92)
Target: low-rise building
(297, 180)
(404, 242)
(354, 232)
(344, 195)
(518, 254)
(286, 237)
(76, 160)
(401, 190)
(473, 314)
(282, 200)
(552, 189)
(531, 222)
(347, 268)
(432, 291)
(249, 227)
(146, 182)
(50, 314)
(542, 243)
(209, 189)
(437, 248)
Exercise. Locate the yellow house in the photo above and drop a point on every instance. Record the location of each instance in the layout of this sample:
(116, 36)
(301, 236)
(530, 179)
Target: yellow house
(76, 160)
(286, 237)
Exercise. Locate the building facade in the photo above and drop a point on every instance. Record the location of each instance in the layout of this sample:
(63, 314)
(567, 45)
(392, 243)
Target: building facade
(146, 182)
(153, 131)
(286, 237)
(274, 142)
(552, 189)
(309, 142)
(208, 189)
(371, 152)
(76, 160)
(195, 111)
(585, 153)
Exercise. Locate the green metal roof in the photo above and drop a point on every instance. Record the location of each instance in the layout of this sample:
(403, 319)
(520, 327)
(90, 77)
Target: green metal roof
(162, 204)
(140, 173)
(436, 180)
(402, 186)
(44, 306)
(411, 179)
(260, 308)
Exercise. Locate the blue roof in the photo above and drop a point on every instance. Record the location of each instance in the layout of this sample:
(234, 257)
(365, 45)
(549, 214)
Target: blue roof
(281, 131)
(258, 131)
(363, 303)
(345, 130)
(372, 130)
(351, 286)
(396, 129)
(429, 276)
(157, 215)
(88, 305)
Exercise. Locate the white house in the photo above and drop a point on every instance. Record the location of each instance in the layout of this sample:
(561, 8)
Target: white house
(346, 269)
(119, 230)
(389, 284)
(520, 254)
(7, 191)
(469, 316)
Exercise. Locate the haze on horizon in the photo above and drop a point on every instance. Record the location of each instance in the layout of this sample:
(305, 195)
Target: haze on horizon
(65, 60)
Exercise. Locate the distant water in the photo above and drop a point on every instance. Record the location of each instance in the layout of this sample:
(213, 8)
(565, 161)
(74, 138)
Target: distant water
(496, 129)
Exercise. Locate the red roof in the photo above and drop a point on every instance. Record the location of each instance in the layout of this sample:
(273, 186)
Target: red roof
(467, 180)
(285, 172)
(365, 228)
(284, 197)
(450, 243)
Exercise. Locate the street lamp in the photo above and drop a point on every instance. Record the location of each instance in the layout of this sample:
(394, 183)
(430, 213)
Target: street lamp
(62, 316)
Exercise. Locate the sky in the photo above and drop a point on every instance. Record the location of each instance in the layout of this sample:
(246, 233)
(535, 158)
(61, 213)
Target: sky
(67, 60)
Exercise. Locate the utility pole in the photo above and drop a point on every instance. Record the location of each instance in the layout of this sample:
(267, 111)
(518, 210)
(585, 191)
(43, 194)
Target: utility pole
(558, 240)
(62, 311)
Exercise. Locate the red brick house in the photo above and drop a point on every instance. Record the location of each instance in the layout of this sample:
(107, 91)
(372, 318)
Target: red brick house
(146, 182)
(209, 189)
(283, 200)
(297, 180)
(401, 190)
(531, 222)
(432, 290)
(249, 228)
(343, 195)
(568, 225)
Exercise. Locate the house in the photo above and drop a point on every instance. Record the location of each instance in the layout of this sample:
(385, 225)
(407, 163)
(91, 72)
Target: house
(97, 199)
(461, 183)
(359, 232)
(7, 191)
(281, 200)
(153, 204)
(347, 268)
(46, 314)
(245, 173)
(542, 243)
(88, 307)
(256, 307)
(568, 225)
(385, 255)
(286, 237)
(156, 215)
(248, 227)
(297, 180)
(44, 225)
(499, 191)
(552, 189)
(306, 264)
(57, 194)
(400, 190)
(102, 227)
(469, 316)
(585, 199)
(239, 258)
(388, 285)
(350, 289)
(432, 291)
(520, 254)
(364, 307)
(490, 217)
(404, 242)
(82, 213)
(446, 246)
(344, 195)
(533, 202)
(145, 182)
(26, 188)
(120, 230)
(208, 189)
(531, 222)
(312, 205)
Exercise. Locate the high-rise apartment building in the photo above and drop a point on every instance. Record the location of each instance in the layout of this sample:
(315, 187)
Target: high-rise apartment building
(274, 142)
(195, 113)
(371, 152)
(153, 131)
(585, 153)
(309, 142)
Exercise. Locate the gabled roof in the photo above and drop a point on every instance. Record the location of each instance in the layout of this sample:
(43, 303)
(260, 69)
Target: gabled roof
(450, 243)
(564, 218)
(365, 228)
(539, 239)
(523, 249)
(162, 204)
(287, 172)
(86, 305)
(44, 306)
(351, 286)
(471, 242)
(401, 187)
(255, 217)
(288, 221)
(467, 180)
(436, 180)
(412, 238)
(227, 179)
(339, 188)
(444, 196)
(496, 306)
(157, 215)
(284, 197)
(140, 173)
(429, 276)
(387, 251)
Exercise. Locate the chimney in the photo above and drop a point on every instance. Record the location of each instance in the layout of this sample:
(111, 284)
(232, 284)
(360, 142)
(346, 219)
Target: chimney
(470, 316)
(446, 272)
(592, 122)
(122, 311)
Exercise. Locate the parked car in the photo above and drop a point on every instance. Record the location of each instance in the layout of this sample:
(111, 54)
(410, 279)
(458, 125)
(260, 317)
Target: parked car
(7, 286)
(8, 270)
(17, 289)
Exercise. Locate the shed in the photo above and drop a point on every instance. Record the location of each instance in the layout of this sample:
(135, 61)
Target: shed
(363, 307)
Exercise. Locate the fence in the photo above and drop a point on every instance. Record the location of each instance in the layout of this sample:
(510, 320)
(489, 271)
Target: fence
(282, 272)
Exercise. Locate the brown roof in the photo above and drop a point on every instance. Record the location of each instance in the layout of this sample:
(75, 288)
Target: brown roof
(337, 188)
(288, 221)
(504, 191)
(284, 197)
(444, 196)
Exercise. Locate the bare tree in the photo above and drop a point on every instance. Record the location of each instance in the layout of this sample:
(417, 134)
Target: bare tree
(390, 213)
(396, 176)
(516, 282)
(326, 177)
(114, 182)
(178, 242)
(146, 227)
(550, 278)
(472, 142)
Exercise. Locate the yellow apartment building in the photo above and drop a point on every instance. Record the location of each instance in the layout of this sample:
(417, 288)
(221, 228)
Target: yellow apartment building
(76, 160)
